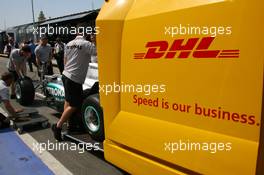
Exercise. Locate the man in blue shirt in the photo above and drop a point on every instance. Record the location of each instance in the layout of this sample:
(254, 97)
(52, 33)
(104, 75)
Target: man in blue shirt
(32, 59)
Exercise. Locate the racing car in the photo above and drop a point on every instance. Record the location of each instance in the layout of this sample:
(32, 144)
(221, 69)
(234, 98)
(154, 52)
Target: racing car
(50, 87)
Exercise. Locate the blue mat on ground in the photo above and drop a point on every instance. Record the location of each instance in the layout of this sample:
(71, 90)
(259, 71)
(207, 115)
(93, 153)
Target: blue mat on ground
(17, 158)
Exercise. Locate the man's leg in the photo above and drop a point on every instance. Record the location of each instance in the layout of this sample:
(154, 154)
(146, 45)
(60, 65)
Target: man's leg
(34, 61)
(30, 64)
(73, 99)
(67, 113)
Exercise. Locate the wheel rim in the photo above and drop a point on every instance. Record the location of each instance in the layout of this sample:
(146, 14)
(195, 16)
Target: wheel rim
(92, 119)
(18, 91)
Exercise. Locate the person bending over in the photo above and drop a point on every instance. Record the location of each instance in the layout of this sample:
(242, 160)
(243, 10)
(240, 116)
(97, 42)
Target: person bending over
(6, 80)
(17, 65)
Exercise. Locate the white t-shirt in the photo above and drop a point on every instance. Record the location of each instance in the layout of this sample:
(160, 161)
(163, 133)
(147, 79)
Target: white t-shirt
(78, 53)
(43, 52)
(16, 59)
(4, 91)
(11, 46)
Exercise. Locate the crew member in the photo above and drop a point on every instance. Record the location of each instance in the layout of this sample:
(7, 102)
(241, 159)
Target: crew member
(10, 46)
(77, 58)
(59, 54)
(17, 64)
(6, 80)
(32, 59)
(43, 54)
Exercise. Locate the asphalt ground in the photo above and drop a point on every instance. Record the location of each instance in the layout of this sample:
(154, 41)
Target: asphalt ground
(76, 161)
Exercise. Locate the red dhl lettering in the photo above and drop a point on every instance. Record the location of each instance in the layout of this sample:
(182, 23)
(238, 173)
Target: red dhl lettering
(194, 47)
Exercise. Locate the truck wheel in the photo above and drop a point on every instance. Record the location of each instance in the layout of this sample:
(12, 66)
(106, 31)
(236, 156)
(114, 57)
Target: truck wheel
(25, 91)
(92, 117)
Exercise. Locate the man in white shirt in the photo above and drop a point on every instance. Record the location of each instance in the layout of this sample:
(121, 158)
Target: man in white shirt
(6, 80)
(77, 58)
(10, 46)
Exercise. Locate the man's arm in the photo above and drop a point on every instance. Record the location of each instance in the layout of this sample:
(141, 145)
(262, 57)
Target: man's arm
(37, 56)
(50, 57)
(5, 98)
(65, 54)
(91, 49)
(24, 68)
(65, 60)
(18, 67)
(37, 60)
(10, 108)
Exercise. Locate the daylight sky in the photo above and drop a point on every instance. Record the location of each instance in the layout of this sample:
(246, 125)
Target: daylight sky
(17, 12)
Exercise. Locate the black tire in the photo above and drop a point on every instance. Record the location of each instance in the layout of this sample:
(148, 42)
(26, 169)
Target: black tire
(92, 117)
(25, 91)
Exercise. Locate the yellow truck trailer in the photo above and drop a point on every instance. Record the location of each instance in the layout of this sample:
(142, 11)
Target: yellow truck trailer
(203, 63)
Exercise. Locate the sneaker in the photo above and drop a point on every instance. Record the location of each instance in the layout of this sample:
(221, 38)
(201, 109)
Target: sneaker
(13, 96)
(4, 124)
(56, 132)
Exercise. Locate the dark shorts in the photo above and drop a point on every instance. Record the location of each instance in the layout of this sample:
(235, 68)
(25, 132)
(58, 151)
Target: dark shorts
(73, 92)
(15, 75)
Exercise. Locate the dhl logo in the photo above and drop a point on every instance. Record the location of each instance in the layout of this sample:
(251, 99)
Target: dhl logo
(196, 47)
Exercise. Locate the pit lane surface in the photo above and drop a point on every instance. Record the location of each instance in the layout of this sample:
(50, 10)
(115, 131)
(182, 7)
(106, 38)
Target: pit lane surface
(66, 161)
